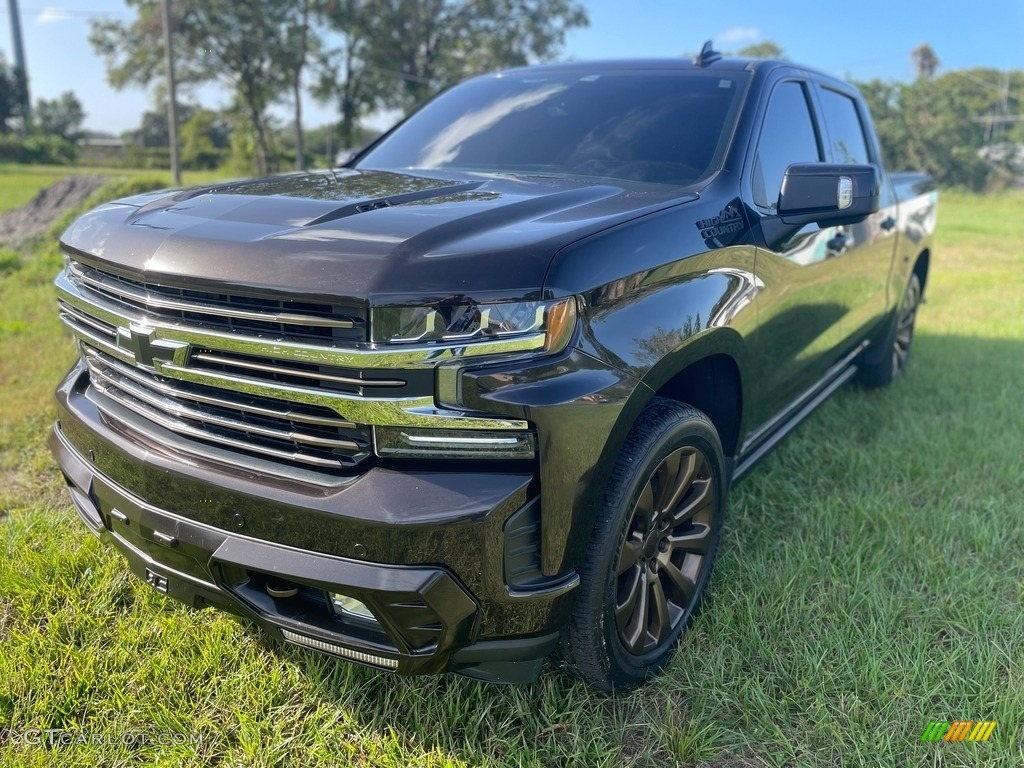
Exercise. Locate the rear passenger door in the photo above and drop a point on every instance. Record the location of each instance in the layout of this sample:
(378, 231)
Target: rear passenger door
(867, 247)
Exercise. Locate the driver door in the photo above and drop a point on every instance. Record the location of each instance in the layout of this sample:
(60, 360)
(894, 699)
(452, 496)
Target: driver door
(802, 308)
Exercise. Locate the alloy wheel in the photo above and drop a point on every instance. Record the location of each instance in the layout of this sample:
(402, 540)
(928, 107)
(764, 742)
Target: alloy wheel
(666, 553)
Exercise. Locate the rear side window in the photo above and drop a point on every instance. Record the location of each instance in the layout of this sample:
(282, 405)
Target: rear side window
(844, 128)
(787, 137)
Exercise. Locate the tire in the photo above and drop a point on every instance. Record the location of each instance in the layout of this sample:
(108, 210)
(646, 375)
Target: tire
(656, 533)
(891, 362)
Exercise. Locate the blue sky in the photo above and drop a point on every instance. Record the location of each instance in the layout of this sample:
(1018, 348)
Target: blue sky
(861, 39)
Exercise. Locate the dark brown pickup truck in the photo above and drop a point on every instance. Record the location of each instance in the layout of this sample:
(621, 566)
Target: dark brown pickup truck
(478, 396)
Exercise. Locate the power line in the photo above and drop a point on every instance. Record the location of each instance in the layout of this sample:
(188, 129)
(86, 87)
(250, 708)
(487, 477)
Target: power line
(977, 80)
(1001, 112)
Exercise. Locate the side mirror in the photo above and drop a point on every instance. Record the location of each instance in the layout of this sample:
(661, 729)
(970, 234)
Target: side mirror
(828, 194)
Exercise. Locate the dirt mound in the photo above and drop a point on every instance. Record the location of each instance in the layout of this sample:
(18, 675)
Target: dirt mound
(34, 217)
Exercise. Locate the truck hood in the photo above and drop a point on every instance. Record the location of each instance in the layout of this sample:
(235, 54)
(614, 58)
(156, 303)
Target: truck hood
(369, 236)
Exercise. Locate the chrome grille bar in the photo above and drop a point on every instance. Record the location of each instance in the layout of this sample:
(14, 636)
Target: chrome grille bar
(86, 335)
(358, 357)
(224, 431)
(104, 380)
(123, 290)
(184, 429)
(232, 362)
(168, 389)
(78, 316)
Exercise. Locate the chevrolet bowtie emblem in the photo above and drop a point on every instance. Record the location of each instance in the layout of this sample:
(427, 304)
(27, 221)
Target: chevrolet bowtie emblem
(148, 349)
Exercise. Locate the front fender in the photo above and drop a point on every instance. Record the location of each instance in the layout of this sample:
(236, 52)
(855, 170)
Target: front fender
(639, 332)
(652, 325)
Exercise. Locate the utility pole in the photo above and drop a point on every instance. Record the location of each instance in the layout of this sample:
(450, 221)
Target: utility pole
(1004, 103)
(19, 61)
(172, 105)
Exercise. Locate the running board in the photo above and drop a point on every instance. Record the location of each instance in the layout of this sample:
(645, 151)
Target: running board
(747, 462)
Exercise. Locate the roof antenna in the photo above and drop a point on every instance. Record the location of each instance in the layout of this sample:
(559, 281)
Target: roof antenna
(707, 55)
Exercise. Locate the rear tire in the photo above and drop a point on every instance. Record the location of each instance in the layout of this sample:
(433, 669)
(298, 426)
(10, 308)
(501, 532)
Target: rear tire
(891, 362)
(652, 550)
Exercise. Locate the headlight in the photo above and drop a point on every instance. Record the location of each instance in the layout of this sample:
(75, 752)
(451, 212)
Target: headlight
(552, 322)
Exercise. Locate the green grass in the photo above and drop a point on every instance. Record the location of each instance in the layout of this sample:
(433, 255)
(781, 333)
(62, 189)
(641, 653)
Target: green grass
(871, 580)
(19, 183)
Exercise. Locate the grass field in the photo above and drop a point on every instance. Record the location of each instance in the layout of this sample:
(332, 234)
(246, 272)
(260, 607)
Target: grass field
(871, 581)
(18, 183)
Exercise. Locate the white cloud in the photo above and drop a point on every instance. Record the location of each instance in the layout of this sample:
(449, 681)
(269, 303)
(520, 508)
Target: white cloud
(737, 35)
(49, 15)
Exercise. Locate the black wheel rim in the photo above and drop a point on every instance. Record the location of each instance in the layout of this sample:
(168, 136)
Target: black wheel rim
(905, 327)
(666, 553)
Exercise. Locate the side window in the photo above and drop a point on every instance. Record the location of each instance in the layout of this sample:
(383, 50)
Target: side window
(844, 128)
(787, 137)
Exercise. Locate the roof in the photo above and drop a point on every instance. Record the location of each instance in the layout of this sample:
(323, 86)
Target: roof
(680, 63)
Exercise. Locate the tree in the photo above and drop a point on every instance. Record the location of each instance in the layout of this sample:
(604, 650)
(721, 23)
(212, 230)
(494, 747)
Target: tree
(424, 46)
(153, 131)
(62, 116)
(205, 138)
(250, 45)
(301, 39)
(884, 102)
(243, 40)
(343, 73)
(765, 50)
(399, 53)
(12, 95)
(925, 61)
(931, 124)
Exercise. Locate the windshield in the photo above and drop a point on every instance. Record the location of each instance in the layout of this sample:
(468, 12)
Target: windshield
(660, 126)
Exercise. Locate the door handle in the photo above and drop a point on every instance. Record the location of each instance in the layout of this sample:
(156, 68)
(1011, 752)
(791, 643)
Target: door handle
(888, 223)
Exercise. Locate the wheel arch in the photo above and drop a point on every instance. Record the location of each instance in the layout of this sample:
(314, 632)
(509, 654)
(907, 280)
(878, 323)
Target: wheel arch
(707, 373)
(705, 364)
(713, 385)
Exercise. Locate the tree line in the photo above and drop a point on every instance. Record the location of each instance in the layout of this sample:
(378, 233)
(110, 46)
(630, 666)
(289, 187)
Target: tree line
(958, 126)
(48, 135)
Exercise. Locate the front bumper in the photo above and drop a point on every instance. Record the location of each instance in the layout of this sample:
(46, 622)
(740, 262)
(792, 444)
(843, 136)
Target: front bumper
(423, 549)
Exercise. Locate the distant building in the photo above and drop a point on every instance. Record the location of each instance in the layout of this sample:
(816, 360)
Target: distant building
(1005, 155)
(98, 150)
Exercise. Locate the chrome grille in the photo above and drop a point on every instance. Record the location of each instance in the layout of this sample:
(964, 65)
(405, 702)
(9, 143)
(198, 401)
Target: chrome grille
(242, 367)
(219, 392)
(311, 436)
(250, 315)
